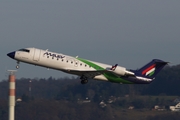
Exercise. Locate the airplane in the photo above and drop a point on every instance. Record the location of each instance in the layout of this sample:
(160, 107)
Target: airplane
(87, 69)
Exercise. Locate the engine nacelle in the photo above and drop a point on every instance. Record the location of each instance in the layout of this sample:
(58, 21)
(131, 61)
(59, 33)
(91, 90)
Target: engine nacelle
(122, 71)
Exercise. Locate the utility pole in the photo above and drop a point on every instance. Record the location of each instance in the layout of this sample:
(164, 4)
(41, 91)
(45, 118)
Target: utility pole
(30, 88)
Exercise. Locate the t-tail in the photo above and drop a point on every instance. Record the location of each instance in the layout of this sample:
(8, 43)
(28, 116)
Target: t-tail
(151, 69)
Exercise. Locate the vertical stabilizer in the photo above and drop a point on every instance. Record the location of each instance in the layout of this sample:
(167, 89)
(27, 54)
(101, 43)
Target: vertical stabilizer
(151, 69)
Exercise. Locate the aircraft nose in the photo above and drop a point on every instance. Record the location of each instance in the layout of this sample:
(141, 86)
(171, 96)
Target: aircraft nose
(11, 54)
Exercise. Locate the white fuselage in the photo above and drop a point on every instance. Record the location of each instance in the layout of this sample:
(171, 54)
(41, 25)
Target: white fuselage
(87, 69)
(57, 61)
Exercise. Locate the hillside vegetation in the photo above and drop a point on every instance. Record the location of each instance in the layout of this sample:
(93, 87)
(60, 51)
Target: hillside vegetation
(64, 98)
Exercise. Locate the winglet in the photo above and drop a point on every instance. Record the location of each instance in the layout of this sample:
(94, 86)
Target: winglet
(114, 67)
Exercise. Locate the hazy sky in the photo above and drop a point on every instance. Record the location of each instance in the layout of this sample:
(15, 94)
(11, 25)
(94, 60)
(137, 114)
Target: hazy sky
(127, 32)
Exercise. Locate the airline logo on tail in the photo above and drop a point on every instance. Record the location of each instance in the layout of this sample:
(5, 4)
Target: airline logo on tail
(150, 70)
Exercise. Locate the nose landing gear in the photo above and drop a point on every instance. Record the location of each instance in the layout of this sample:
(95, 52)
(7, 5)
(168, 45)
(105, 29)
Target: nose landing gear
(17, 66)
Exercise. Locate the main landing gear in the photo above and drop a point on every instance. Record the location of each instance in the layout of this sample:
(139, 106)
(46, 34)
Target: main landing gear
(17, 66)
(84, 79)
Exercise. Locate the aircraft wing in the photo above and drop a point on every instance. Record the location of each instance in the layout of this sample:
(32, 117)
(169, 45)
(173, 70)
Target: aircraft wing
(90, 73)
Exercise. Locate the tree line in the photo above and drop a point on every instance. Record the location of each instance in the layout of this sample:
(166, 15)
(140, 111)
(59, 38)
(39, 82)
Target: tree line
(56, 98)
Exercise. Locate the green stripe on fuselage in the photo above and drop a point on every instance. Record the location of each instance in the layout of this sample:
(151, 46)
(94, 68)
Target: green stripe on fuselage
(110, 76)
(97, 67)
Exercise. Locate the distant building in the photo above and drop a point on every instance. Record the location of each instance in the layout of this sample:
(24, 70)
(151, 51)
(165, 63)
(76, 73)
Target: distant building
(87, 100)
(131, 107)
(102, 104)
(111, 99)
(159, 108)
(175, 108)
(177, 100)
(19, 100)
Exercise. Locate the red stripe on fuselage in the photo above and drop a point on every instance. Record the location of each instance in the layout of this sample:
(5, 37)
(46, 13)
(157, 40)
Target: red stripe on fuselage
(149, 68)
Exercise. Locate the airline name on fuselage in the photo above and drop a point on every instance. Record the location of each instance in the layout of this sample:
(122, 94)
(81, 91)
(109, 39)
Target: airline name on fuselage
(54, 55)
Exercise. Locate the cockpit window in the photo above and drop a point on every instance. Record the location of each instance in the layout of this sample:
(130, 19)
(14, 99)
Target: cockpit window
(24, 50)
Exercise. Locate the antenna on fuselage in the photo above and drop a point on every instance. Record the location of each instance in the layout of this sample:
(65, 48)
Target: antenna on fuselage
(47, 49)
(76, 56)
